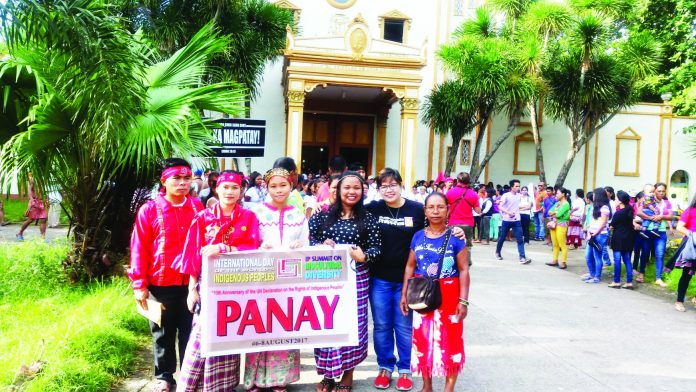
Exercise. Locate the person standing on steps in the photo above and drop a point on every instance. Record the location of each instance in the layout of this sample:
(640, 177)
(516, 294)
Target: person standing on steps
(157, 241)
(509, 207)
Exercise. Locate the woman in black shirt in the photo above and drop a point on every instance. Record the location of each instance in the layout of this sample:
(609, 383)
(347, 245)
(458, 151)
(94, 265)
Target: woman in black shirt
(622, 240)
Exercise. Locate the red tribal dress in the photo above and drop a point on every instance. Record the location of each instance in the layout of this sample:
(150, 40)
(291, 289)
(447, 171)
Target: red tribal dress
(438, 342)
(211, 227)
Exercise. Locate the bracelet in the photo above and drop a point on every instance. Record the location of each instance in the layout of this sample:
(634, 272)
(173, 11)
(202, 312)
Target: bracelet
(464, 302)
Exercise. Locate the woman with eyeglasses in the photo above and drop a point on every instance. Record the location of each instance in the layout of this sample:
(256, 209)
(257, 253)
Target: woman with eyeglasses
(399, 219)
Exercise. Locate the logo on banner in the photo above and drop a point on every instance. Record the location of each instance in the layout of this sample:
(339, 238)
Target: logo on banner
(288, 268)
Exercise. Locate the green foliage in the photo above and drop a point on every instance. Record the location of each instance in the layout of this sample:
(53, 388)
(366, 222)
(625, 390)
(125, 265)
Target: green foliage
(257, 31)
(606, 89)
(83, 337)
(104, 111)
(672, 23)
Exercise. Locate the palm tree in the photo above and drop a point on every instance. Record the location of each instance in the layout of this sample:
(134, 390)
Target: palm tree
(105, 108)
(257, 30)
(588, 87)
(486, 63)
(450, 110)
(543, 21)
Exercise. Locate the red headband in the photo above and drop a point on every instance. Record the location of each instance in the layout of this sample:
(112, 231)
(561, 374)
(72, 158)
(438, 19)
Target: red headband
(175, 171)
(229, 177)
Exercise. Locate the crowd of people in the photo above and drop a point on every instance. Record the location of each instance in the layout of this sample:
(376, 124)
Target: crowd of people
(393, 239)
(395, 235)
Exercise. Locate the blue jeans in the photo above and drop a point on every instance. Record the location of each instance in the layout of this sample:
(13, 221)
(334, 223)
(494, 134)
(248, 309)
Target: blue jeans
(626, 257)
(539, 225)
(658, 244)
(516, 227)
(593, 257)
(389, 323)
(605, 255)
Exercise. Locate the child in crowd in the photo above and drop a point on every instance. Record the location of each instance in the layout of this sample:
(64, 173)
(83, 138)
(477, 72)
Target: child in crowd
(649, 227)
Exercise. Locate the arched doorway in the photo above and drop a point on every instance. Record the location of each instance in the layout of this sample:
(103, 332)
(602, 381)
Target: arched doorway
(679, 187)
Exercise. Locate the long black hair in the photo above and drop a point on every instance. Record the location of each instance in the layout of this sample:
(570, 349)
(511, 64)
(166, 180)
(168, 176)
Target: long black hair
(359, 210)
(252, 179)
(625, 199)
(599, 200)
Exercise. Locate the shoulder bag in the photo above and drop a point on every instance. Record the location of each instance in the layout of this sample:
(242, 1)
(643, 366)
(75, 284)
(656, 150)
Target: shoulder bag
(423, 292)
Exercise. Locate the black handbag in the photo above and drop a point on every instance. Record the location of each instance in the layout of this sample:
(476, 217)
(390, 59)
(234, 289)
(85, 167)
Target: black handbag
(423, 292)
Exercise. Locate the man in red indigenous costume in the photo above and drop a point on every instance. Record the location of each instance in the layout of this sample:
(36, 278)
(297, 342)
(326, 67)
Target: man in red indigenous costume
(223, 228)
(157, 240)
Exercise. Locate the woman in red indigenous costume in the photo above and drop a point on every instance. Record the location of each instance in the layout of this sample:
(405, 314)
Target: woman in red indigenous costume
(157, 240)
(223, 228)
(438, 336)
(282, 226)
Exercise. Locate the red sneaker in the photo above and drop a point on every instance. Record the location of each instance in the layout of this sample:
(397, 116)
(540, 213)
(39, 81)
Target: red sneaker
(383, 380)
(405, 383)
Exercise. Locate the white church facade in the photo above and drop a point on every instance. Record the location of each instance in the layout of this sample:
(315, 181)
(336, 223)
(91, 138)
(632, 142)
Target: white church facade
(351, 82)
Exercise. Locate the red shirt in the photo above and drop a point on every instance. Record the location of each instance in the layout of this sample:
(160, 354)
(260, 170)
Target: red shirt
(153, 250)
(462, 210)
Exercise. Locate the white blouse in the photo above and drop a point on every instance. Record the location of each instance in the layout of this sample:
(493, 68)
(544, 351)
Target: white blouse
(280, 228)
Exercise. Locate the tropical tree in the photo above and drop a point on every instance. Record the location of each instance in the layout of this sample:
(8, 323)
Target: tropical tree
(105, 109)
(593, 75)
(486, 64)
(257, 29)
(672, 23)
(543, 24)
(450, 111)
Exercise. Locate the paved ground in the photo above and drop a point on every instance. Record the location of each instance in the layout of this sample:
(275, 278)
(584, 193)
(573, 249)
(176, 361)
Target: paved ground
(7, 233)
(537, 328)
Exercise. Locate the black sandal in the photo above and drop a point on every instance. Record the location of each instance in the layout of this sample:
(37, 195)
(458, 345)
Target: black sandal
(341, 387)
(327, 384)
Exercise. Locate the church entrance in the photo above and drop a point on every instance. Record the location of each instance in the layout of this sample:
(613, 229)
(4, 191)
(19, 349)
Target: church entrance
(328, 135)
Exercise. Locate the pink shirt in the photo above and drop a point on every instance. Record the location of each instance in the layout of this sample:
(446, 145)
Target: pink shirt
(152, 249)
(323, 192)
(689, 219)
(510, 202)
(462, 210)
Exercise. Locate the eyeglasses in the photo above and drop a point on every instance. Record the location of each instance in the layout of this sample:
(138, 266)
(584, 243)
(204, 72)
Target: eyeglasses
(390, 187)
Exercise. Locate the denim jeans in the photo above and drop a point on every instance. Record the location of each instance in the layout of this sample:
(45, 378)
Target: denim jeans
(390, 323)
(175, 318)
(626, 258)
(658, 244)
(593, 257)
(539, 224)
(516, 228)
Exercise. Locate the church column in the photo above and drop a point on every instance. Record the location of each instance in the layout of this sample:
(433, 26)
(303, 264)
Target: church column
(381, 142)
(407, 152)
(293, 137)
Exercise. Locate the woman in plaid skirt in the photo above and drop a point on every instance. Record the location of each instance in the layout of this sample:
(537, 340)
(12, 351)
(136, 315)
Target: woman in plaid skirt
(347, 222)
(223, 228)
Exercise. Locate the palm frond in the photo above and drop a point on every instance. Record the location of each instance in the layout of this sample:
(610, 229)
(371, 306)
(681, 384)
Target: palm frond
(641, 53)
(188, 65)
(481, 26)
